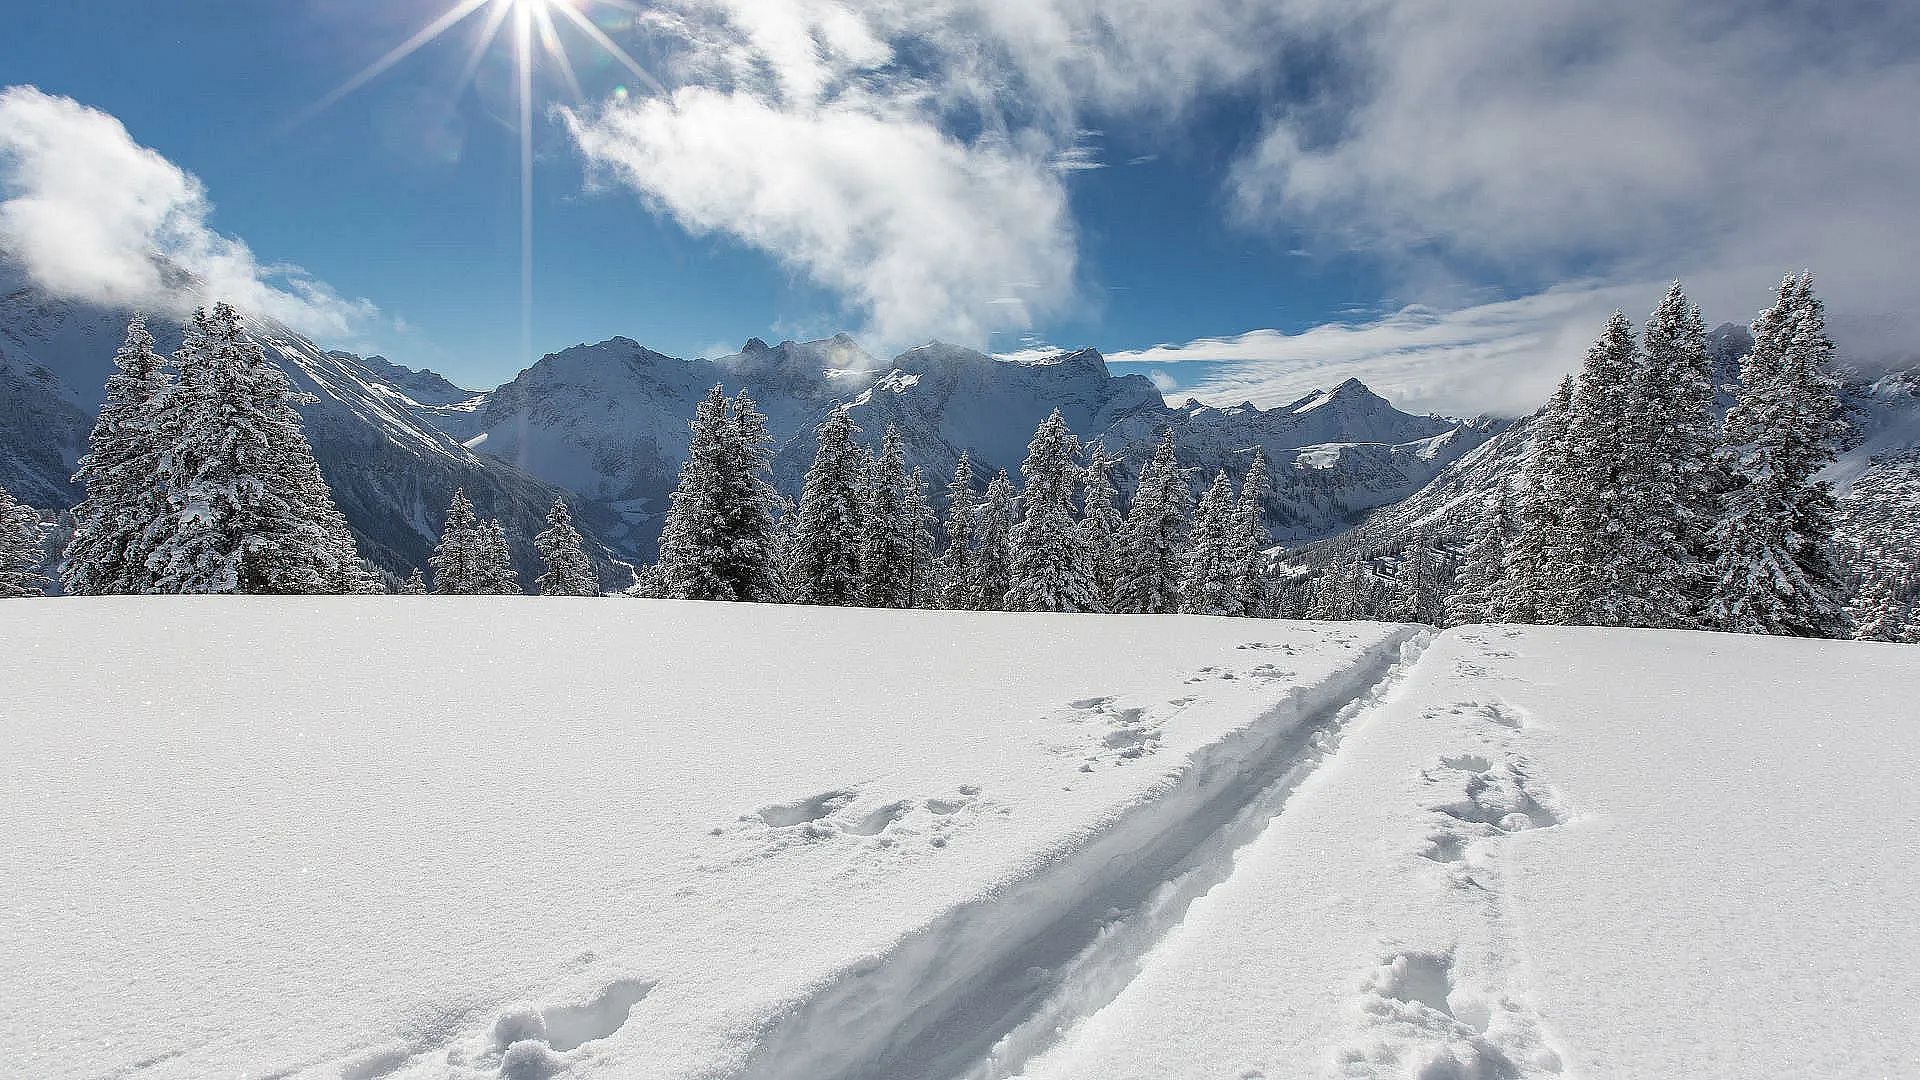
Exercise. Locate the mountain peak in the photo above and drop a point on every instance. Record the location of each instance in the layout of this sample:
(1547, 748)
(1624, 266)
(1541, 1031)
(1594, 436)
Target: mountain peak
(755, 345)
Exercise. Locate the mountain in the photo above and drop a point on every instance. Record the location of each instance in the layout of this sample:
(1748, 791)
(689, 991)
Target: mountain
(392, 470)
(609, 422)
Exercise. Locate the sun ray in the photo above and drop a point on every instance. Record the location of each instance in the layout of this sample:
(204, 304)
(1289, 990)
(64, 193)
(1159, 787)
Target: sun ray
(523, 56)
(613, 48)
(489, 33)
(400, 52)
(550, 44)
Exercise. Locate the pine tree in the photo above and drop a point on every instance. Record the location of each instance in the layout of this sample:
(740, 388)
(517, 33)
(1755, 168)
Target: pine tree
(1049, 571)
(1247, 542)
(1683, 483)
(1153, 563)
(1480, 595)
(106, 553)
(415, 584)
(497, 575)
(569, 572)
(456, 560)
(1101, 534)
(993, 559)
(955, 567)
(693, 537)
(1210, 581)
(824, 560)
(749, 502)
(1608, 560)
(20, 550)
(1419, 592)
(890, 550)
(246, 508)
(921, 521)
(1777, 573)
(1538, 560)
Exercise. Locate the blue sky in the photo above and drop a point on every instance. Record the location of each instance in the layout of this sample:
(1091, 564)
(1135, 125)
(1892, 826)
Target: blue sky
(1016, 172)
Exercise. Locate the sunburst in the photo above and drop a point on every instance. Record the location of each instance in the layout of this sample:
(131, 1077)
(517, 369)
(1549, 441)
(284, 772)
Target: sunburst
(532, 22)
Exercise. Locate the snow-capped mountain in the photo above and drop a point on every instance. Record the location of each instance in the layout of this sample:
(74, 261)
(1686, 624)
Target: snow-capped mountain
(392, 470)
(609, 422)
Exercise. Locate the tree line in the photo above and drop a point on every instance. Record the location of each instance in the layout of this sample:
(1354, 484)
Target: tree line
(865, 532)
(1639, 505)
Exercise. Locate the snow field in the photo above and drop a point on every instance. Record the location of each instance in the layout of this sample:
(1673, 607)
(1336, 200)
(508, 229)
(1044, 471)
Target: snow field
(1565, 852)
(480, 837)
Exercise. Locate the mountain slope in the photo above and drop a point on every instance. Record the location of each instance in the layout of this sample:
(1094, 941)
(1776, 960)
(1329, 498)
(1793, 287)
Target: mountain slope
(392, 470)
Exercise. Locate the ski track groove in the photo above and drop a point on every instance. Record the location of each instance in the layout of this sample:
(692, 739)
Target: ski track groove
(991, 984)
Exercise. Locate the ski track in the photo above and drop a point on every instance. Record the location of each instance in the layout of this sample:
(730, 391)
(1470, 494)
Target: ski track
(996, 981)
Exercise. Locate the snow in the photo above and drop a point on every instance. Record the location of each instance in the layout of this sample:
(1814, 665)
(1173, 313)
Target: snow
(509, 837)
(1566, 852)
(402, 836)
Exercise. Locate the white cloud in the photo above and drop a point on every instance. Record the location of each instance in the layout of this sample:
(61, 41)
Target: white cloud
(1719, 141)
(94, 216)
(925, 234)
(1501, 357)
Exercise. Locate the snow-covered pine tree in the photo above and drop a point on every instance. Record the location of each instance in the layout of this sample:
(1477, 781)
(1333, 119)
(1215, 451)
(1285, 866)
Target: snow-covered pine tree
(569, 572)
(1480, 594)
(1209, 579)
(1888, 605)
(1419, 591)
(497, 575)
(1776, 573)
(20, 550)
(925, 586)
(1049, 572)
(1101, 534)
(415, 584)
(1605, 508)
(1247, 541)
(719, 541)
(456, 560)
(106, 554)
(954, 569)
(1153, 564)
(1683, 482)
(750, 504)
(247, 510)
(647, 584)
(993, 558)
(1538, 557)
(824, 557)
(889, 550)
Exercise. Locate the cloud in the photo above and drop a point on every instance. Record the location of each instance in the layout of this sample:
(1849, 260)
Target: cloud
(1502, 357)
(94, 216)
(1715, 140)
(925, 234)
(913, 156)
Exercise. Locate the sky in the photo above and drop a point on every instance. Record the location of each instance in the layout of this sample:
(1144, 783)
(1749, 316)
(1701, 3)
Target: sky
(1245, 199)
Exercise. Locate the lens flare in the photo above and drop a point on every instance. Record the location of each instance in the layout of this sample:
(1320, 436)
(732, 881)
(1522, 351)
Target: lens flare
(533, 21)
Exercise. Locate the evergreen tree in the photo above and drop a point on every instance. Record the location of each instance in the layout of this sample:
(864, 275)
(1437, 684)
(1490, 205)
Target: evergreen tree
(246, 508)
(955, 570)
(106, 553)
(456, 560)
(1153, 563)
(415, 584)
(647, 583)
(890, 550)
(925, 584)
(1777, 573)
(824, 559)
(1609, 557)
(569, 572)
(719, 541)
(1049, 571)
(1539, 554)
(1480, 595)
(20, 551)
(1682, 479)
(497, 575)
(1210, 581)
(1419, 593)
(1101, 534)
(1247, 541)
(993, 559)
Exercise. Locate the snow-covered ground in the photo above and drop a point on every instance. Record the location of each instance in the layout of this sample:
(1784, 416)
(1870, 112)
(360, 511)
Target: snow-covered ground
(482, 837)
(392, 837)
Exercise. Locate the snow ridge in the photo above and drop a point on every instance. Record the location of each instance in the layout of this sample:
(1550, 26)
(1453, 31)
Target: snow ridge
(982, 988)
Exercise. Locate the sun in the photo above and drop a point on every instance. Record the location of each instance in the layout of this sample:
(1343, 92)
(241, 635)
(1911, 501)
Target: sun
(533, 23)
